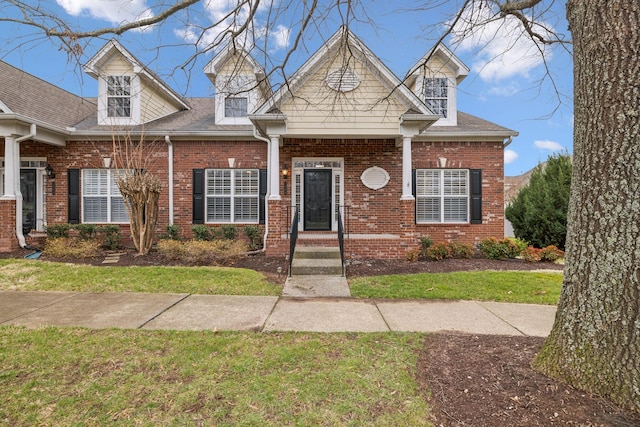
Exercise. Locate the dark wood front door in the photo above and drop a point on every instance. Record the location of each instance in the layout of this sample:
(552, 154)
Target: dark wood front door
(317, 199)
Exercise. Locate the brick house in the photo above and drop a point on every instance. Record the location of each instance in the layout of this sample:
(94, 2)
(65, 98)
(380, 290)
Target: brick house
(346, 138)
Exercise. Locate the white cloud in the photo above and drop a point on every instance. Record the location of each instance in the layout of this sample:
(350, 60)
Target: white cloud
(505, 90)
(280, 36)
(501, 46)
(548, 145)
(114, 11)
(225, 17)
(510, 156)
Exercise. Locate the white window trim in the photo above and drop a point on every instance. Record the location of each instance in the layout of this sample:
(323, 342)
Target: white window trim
(238, 86)
(233, 195)
(452, 112)
(442, 197)
(103, 109)
(110, 195)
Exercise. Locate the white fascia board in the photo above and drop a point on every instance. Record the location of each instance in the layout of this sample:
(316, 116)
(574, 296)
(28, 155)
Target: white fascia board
(48, 134)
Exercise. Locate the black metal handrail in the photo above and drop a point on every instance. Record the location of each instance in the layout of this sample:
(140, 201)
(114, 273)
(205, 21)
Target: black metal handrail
(293, 237)
(341, 239)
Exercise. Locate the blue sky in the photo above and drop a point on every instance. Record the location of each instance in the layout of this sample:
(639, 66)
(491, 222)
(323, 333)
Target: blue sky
(507, 84)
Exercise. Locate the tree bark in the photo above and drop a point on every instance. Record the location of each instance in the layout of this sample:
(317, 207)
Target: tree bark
(595, 342)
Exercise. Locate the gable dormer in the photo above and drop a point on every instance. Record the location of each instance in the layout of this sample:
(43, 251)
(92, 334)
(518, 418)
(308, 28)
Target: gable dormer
(240, 85)
(435, 80)
(128, 93)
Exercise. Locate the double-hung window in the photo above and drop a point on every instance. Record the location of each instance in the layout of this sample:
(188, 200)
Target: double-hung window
(232, 195)
(235, 106)
(442, 195)
(118, 96)
(436, 94)
(101, 198)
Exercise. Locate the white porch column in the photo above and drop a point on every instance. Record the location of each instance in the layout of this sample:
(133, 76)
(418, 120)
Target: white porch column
(274, 167)
(407, 193)
(11, 168)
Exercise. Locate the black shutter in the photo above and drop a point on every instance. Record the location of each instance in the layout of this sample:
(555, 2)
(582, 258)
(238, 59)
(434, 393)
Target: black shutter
(475, 182)
(73, 204)
(414, 191)
(262, 181)
(198, 196)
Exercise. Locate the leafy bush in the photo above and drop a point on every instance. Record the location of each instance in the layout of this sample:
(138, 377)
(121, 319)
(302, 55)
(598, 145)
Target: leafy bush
(254, 234)
(460, 250)
(201, 252)
(551, 254)
(413, 255)
(425, 243)
(112, 236)
(86, 231)
(439, 251)
(493, 248)
(173, 232)
(202, 232)
(539, 212)
(227, 232)
(55, 231)
(69, 247)
(531, 254)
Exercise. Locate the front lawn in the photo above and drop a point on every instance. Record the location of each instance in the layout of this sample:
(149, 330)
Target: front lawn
(503, 286)
(55, 376)
(36, 275)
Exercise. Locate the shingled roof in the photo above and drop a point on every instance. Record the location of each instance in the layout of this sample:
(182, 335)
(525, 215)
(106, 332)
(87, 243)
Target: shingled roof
(37, 99)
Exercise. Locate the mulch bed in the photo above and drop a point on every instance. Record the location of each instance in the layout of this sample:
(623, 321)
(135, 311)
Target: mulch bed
(469, 380)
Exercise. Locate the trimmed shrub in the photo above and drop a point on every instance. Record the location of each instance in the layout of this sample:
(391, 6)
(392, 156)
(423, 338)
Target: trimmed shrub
(425, 243)
(254, 234)
(201, 252)
(202, 232)
(173, 232)
(69, 247)
(551, 254)
(413, 255)
(439, 251)
(228, 232)
(493, 248)
(112, 236)
(86, 231)
(460, 250)
(55, 231)
(531, 254)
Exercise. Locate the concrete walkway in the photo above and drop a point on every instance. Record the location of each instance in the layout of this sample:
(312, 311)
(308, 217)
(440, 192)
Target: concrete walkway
(265, 313)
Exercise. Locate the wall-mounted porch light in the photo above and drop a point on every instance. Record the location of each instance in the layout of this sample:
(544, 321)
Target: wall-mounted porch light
(285, 175)
(50, 172)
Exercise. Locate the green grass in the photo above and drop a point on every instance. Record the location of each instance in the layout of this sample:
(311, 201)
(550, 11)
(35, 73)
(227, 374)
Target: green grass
(55, 376)
(29, 275)
(504, 286)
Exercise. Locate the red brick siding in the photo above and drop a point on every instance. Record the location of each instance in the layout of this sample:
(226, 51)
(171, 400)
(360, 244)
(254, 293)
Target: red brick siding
(370, 211)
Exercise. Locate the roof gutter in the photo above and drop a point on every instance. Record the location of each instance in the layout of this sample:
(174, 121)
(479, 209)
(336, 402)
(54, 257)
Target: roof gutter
(508, 141)
(18, 193)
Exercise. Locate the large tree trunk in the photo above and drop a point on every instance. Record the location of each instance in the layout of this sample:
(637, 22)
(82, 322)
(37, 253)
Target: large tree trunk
(595, 341)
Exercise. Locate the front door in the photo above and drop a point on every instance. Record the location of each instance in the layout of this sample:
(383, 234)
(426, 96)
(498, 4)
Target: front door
(28, 189)
(317, 199)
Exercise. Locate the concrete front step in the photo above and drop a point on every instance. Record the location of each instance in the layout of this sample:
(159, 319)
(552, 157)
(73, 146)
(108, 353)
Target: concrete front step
(316, 267)
(316, 252)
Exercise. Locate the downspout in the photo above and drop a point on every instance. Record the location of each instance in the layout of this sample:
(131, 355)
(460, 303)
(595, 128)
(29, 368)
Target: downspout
(167, 139)
(266, 205)
(16, 160)
(506, 144)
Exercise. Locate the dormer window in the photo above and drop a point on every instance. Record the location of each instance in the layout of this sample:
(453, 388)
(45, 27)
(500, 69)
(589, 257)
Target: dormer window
(236, 106)
(436, 95)
(118, 96)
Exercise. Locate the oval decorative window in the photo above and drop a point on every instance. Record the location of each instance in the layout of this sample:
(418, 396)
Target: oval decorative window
(375, 178)
(343, 80)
